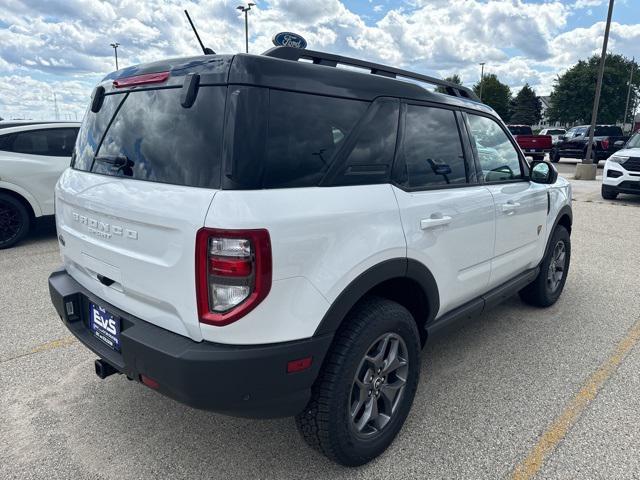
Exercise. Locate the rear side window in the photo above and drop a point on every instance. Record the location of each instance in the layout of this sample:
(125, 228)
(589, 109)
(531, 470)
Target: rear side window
(431, 149)
(304, 132)
(53, 142)
(153, 138)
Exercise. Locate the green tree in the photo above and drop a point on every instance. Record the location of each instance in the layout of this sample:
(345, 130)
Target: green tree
(526, 107)
(573, 91)
(455, 78)
(495, 94)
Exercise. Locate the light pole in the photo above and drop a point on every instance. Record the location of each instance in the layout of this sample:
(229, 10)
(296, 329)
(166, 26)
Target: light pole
(115, 51)
(596, 100)
(245, 10)
(481, 78)
(626, 107)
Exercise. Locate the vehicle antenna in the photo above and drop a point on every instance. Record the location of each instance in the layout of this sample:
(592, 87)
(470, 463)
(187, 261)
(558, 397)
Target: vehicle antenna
(206, 50)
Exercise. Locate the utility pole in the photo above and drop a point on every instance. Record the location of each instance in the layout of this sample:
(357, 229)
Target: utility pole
(245, 10)
(596, 100)
(481, 78)
(115, 51)
(626, 107)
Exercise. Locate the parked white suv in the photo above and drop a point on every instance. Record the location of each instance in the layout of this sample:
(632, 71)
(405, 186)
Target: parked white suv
(265, 237)
(32, 157)
(622, 170)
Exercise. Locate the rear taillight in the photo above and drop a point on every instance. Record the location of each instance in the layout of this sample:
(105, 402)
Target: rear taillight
(233, 273)
(605, 144)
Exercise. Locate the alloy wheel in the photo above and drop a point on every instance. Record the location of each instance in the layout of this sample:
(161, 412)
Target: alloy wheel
(378, 385)
(10, 222)
(556, 266)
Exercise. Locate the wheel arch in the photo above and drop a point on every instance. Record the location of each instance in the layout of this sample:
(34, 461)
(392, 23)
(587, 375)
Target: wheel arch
(405, 281)
(22, 200)
(564, 218)
(22, 196)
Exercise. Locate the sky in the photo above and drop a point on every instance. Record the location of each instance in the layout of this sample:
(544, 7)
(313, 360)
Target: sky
(62, 48)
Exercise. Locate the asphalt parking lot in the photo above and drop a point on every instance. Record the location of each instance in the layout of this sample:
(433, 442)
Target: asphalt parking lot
(516, 393)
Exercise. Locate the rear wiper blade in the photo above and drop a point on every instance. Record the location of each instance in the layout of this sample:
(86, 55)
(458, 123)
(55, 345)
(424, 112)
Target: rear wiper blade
(117, 161)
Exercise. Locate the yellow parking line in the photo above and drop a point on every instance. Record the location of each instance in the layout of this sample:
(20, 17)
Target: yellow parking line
(52, 345)
(550, 439)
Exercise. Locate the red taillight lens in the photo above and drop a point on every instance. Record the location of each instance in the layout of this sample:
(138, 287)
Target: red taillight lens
(145, 79)
(605, 144)
(233, 273)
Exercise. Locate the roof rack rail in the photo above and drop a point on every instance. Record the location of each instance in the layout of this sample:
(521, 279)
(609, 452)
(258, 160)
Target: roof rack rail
(331, 60)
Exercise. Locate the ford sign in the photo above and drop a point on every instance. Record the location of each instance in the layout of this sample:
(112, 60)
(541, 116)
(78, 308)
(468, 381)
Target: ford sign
(288, 39)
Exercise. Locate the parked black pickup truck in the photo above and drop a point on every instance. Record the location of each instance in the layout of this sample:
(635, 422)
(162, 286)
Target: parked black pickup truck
(606, 140)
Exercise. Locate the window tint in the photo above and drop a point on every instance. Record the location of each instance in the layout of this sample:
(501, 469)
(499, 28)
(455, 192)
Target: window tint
(54, 142)
(371, 157)
(555, 132)
(91, 131)
(153, 138)
(611, 131)
(499, 159)
(520, 130)
(303, 134)
(431, 149)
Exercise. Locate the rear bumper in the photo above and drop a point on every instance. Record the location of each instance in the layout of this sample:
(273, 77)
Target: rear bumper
(248, 381)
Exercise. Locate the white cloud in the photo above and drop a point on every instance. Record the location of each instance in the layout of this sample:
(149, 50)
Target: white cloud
(66, 42)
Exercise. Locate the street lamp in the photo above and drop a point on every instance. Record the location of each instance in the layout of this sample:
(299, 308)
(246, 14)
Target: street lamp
(115, 51)
(481, 78)
(245, 10)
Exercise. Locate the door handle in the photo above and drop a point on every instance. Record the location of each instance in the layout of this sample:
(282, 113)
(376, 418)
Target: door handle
(427, 223)
(510, 206)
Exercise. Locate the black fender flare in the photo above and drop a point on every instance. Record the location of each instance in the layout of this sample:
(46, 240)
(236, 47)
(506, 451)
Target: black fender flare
(565, 211)
(370, 278)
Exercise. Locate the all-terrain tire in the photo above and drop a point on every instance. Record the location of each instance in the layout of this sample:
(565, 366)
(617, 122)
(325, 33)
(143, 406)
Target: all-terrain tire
(545, 290)
(327, 423)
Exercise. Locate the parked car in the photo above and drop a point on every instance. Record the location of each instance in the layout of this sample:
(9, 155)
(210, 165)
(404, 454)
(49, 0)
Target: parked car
(535, 146)
(555, 133)
(266, 237)
(32, 157)
(622, 170)
(607, 139)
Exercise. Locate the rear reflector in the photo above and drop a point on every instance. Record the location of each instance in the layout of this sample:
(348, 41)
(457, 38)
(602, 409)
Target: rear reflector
(149, 382)
(299, 365)
(145, 79)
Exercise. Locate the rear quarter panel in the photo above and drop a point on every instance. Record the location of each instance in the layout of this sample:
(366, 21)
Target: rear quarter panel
(322, 238)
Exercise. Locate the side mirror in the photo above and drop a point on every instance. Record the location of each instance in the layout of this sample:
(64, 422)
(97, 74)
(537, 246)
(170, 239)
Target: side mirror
(619, 143)
(543, 172)
(562, 138)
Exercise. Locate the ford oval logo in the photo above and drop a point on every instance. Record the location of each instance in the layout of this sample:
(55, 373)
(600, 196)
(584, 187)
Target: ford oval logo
(288, 39)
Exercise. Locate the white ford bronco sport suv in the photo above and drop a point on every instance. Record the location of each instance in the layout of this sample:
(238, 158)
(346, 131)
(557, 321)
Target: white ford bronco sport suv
(269, 235)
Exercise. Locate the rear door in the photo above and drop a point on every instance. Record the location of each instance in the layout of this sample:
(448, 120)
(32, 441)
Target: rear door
(520, 205)
(38, 156)
(145, 170)
(448, 218)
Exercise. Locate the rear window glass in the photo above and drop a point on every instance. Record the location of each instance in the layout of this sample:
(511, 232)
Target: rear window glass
(555, 132)
(520, 130)
(608, 131)
(153, 138)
